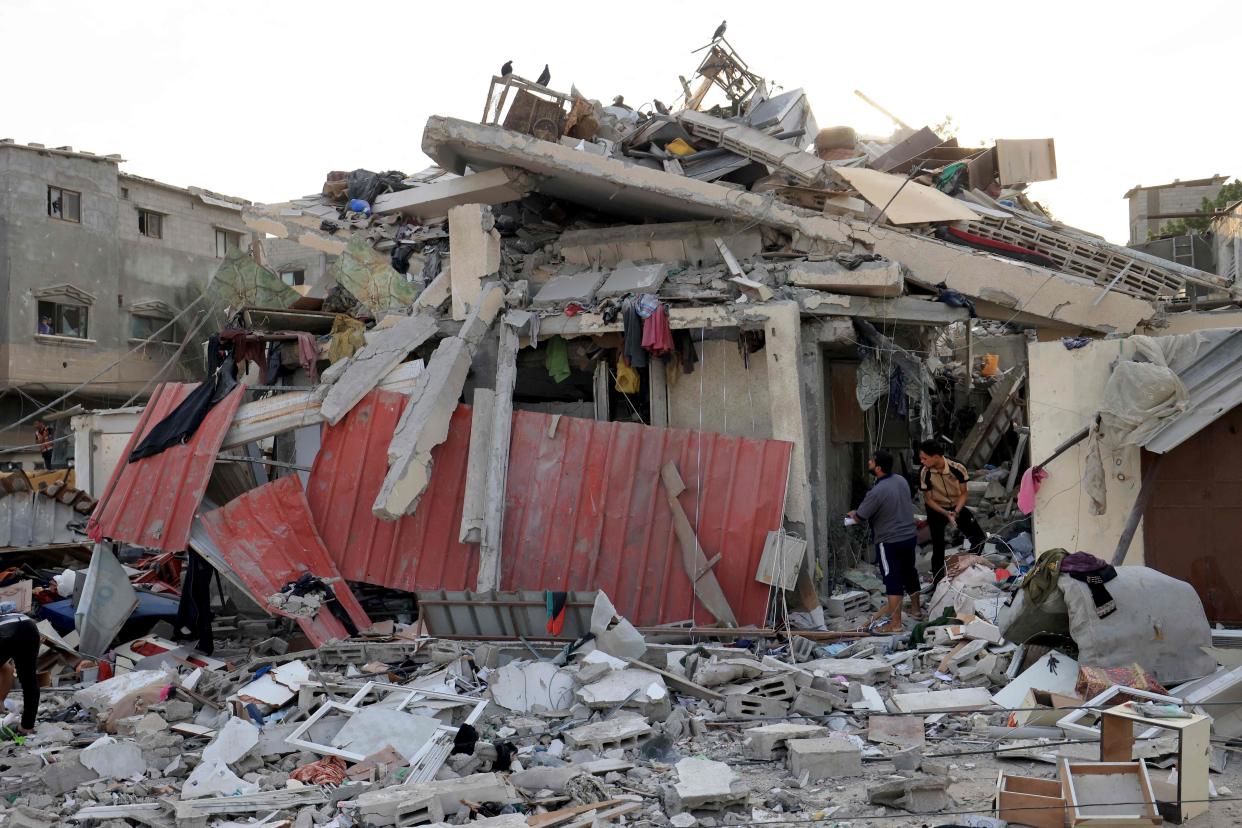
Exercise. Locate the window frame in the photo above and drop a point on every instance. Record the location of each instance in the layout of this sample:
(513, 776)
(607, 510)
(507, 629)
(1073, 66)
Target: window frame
(298, 274)
(57, 317)
(60, 214)
(229, 235)
(144, 223)
(155, 321)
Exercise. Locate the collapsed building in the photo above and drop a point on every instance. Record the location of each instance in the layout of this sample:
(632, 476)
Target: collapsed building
(612, 374)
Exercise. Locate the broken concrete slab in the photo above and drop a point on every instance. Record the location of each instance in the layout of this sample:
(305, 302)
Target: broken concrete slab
(763, 741)
(236, 739)
(532, 686)
(107, 695)
(941, 701)
(650, 193)
(882, 280)
(634, 688)
(482, 314)
(111, 759)
(854, 669)
(812, 702)
(386, 347)
(433, 200)
(684, 242)
(579, 287)
(66, 773)
(631, 277)
(478, 787)
(423, 425)
(437, 293)
(474, 254)
(703, 783)
(533, 780)
(751, 143)
(596, 664)
(215, 779)
(832, 757)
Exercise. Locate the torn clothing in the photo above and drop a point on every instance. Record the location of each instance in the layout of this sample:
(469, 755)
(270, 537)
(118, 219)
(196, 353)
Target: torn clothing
(657, 335)
(1041, 581)
(19, 643)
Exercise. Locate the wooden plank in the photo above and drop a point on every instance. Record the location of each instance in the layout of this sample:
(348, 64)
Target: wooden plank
(498, 460)
(473, 511)
(693, 559)
(601, 816)
(846, 420)
(566, 814)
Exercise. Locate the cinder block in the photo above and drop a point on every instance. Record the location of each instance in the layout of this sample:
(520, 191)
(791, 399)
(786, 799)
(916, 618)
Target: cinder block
(762, 742)
(812, 702)
(830, 758)
(754, 707)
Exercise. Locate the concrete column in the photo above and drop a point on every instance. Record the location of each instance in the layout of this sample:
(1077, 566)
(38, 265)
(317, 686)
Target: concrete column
(474, 253)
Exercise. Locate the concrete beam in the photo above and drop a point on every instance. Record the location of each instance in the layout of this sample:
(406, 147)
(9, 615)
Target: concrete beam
(629, 189)
(498, 460)
(303, 229)
(783, 346)
(495, 186)
(712, 316)
(682, 242)
(473, 508)
(424, 424)
(282, 413)
(474, 254)
(880, 279)
(386, 347)
(906, 310)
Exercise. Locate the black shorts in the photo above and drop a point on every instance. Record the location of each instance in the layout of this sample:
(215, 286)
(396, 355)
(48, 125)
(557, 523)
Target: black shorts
(896, 563)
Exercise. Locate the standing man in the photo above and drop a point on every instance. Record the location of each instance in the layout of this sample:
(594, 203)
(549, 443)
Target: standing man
(43, 436)
(889, 511)
(19, 649)
(943, 484)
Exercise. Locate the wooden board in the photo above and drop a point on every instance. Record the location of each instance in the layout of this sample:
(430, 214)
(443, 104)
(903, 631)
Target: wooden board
(914, 204)
(847, 422)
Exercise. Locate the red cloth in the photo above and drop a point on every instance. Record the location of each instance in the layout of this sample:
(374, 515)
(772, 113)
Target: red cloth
(657, 335)
(327, 771)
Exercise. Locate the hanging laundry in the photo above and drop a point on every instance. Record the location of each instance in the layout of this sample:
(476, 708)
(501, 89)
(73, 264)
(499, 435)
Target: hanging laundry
(632, 332)
(683, 341)
(1095, 573)
(246, 348)
(556, 603)
(657, 335)
(556, 358)
(181, 423)
(628, 380)
(308, 353)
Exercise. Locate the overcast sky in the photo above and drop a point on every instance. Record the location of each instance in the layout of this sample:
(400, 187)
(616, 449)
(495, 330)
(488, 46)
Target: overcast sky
(261, 99)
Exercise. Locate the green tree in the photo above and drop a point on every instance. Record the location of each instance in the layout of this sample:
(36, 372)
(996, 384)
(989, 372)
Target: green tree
(1228, 194)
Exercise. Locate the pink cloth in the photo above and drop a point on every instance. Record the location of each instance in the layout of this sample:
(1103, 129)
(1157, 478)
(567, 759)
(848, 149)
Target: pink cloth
(1031, 478)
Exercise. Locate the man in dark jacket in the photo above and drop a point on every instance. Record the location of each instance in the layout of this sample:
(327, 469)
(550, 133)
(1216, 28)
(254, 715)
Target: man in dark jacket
(888, 509)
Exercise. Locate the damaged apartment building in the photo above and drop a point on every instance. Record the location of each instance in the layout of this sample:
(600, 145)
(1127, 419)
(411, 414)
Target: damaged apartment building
(96, 268)
(522, 481)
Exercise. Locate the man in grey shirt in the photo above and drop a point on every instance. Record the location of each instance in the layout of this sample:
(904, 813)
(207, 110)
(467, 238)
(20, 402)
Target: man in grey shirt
(889, 509)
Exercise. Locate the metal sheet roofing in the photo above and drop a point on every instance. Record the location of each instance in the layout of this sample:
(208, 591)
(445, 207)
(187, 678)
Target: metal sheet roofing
(55, 514)
(1213, 381)
(419, 551)
(152, 502)
(268, 539)
(584, 510)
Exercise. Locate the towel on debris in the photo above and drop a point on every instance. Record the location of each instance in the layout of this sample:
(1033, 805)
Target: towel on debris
(1087, 568)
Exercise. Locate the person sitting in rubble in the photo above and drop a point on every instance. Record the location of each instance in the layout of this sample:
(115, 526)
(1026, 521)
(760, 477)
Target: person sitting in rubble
(943, 484)
(19, 649)
(889, 510)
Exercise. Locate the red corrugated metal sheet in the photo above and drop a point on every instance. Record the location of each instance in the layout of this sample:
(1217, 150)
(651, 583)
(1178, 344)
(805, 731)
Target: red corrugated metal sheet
(152, 502)
(584, 510)
(420, 550)
(268, 538)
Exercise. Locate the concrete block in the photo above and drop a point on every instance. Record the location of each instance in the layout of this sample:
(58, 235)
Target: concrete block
(577, 287)
(779, 687)
(920, 796)
(762, 742)
(399, 805)
(649, 693)
(754, 707)
(879, 279)
(833, 757)
(983, 631)
(634, 278)
(618, 732)
(847, 603)
(474, 254)
(903, 731)
(812, 702)
(703, 783)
